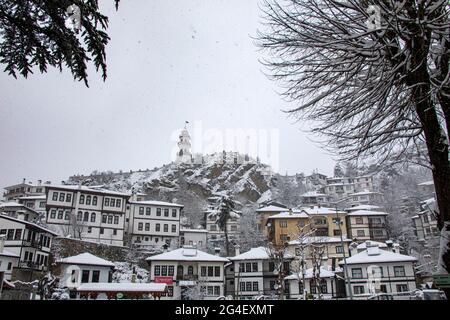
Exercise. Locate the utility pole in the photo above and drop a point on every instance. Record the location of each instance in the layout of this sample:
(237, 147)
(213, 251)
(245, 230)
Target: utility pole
(347, 278)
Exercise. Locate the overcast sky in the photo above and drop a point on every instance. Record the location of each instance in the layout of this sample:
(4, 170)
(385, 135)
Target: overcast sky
(168, 61)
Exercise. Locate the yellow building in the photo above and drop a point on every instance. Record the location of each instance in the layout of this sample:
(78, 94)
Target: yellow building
(323, 220)
(264, 213)
(285, 226)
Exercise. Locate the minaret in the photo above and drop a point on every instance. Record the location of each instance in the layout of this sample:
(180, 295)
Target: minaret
(184, 155)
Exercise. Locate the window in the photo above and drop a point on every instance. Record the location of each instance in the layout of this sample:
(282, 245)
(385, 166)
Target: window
(116, 219)
(85, 276)
(55, 196)
(336, 232)
(89, 230)
(118, 203)
(114, 232)
(88, 200)
(60, 214)
(241, 267)
(170, 291)
(141, 211)
(399, 271)
(66, 215)
(80, 216)
(166, 212)
(104, 218)
(255, 266)
(339, 249)
(171, 270)
(148, 211)
(425, 218)
(283, 223)
(357, 273)
(216, 290)
(82, 199)
(190, 270)
(68, 197)
(62, 196)
(94, 201)
(358, 289)
(271, 266)
(217, 271)
(174, 228)
(272, 284)
(9, 265)
(110, 219)
(158, 212)
(164, 270)
(166, 228)
(213, 227)
(18, 234)
(93, 217)
(140, 226)
(248, 286)
(113, 202)
(248, 267)
(53, 214)
(203, 271)
(323, 287)
(402, 288)
(147, 227)
(255, 286)
(210, 271)
(157, 270)
(360, 233)
(95, 276)
(242, 286)
(157, 227)
(102, 230)
(359, 220)
(86, 217)
(106, 202)
(174, 213)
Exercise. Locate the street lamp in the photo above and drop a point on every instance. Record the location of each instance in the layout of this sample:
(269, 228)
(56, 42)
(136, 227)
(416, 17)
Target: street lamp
(339, 223)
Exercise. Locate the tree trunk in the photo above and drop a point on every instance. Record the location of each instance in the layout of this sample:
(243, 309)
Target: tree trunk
(435, 137)
(227, 247)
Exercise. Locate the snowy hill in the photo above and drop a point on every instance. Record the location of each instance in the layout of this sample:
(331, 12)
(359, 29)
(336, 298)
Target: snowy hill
(247, 180)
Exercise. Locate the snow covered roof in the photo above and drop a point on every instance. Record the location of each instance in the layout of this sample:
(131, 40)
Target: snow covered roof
(361, 193)
(427, 183)
(289, 215)
(316, 210)
(367, 213)
(309, 274)
(186, 254)
(271, 208)
(86, 259)
(10, 204)
(260, 253)
(194, 230)
(28, 224)
(38, 197)
(363, 207)
(375, 255)
(363, 246)
(157, 203)
(93, 189)
(9, 254)
(123, 287)
(314, 194)
(320, 240)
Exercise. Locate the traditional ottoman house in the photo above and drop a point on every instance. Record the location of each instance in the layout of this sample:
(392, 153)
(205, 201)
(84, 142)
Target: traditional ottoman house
(380, 271)
(190, 274)
(318, 284)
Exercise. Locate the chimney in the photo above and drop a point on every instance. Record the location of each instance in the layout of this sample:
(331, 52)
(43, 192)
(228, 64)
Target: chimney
(39, 182)
(2, 243)
(21, 215)
(79, 184)
(237, 250)
(24, 180)
(217, 251)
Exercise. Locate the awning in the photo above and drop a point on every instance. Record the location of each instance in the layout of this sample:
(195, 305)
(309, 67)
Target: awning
(123, 287)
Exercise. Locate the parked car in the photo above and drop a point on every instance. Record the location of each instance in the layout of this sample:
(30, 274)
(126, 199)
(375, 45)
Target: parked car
(381, 296)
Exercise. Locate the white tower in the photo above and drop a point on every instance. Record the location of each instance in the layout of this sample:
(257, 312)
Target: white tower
(184, 155)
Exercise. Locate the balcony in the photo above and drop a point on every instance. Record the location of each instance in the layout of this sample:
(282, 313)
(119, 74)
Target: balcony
(31, 265)
(377, 224)
(187, 277)
(32, 244)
